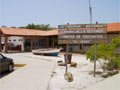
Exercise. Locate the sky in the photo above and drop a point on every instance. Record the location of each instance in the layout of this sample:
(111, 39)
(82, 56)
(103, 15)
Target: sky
(56, 12)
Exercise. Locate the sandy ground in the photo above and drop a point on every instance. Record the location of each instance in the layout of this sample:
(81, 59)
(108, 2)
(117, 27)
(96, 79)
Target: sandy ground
(80, 74)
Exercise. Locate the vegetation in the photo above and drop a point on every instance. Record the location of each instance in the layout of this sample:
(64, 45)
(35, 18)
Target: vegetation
(38, 27)
(116, 63)
(116, 42)
(4, 26)
(106, 52)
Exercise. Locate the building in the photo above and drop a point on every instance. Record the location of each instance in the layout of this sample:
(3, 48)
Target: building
(16, 39)
(79, 37)
(113, 30)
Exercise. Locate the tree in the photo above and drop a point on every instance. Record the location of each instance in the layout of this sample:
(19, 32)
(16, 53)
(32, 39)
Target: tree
(106, 52)
(116, 45)
(4, 26)
(30, 26)
(13, 27)
(116, 42)
(39, 27)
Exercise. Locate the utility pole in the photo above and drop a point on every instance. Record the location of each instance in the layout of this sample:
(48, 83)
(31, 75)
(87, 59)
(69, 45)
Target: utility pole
(95, 56)
(66, 57)
(90, 11)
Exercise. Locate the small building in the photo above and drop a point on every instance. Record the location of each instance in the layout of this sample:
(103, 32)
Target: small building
(16, 39)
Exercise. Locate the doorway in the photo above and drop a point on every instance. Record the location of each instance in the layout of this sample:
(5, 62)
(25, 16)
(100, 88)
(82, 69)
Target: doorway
(27, 45)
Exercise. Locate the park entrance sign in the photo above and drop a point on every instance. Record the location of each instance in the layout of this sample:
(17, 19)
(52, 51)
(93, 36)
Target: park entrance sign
(82, 34)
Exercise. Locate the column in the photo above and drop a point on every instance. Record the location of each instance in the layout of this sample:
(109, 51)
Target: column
(53, 42)
(82, 48)
(0, 45)
(47, 42)
(31, 43)
(6, 44)
(23, 44)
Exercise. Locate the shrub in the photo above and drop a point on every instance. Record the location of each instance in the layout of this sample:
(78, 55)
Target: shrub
(115, 63)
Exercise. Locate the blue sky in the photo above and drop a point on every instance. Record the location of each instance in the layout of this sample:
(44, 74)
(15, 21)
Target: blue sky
(55, 12)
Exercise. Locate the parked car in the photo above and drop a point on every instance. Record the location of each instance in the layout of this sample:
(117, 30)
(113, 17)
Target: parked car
(6, 64)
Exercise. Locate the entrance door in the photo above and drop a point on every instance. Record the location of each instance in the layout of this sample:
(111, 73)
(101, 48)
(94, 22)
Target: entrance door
(27, 45)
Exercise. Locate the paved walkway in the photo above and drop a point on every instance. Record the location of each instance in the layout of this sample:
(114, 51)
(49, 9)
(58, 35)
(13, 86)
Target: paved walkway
(112, 83)
(34, 76)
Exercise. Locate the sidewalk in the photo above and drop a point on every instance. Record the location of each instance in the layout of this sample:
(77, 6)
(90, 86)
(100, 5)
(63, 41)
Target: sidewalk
(34, 76)
(112, 83)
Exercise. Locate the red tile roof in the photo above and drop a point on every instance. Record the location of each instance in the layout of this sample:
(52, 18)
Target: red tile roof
(27, 32)
(52, 33)
(113, 27)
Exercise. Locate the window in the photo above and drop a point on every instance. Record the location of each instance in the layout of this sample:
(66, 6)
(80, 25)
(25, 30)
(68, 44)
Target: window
(80, 46)
(41, 42)
(14, 40)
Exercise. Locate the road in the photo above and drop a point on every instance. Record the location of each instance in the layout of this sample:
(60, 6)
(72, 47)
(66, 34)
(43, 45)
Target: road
(2, 75)
(34, 76)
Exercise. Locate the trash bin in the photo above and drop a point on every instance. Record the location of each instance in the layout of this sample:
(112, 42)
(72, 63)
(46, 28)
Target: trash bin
(69, 56)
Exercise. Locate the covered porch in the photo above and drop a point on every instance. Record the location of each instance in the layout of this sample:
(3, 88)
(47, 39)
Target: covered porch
(12, 40)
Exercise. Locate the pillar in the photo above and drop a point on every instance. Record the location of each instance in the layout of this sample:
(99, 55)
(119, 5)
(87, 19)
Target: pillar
(23, 44)
(0, 45)
(31, 43)
(47, 42)
(6, 44)
(53, 42)
(82, 48)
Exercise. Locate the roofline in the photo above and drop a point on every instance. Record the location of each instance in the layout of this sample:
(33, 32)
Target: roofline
(4, 34)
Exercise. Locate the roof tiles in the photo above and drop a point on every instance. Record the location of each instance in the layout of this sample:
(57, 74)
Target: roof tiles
(113, 27)
(27, 32)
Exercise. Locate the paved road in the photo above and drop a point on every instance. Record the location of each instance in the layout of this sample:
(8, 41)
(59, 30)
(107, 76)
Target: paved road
(34, 76)
(2, 75)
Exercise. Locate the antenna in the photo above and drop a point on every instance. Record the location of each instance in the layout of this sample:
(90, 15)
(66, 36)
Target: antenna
(90, 11)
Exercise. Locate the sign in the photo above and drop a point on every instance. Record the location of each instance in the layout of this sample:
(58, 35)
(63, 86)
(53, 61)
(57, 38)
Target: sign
(80, 41)
(82, 34)
(80, 31)
(82, 26)
(90, 36)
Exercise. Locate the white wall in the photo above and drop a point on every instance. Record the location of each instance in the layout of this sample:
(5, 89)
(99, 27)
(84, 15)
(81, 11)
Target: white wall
(15, 40)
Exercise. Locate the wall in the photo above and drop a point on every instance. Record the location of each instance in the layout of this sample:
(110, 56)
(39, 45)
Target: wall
(110, 36)
(37, 42)
(15, 40)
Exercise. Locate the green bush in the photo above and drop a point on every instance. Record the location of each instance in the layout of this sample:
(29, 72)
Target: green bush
(90, 53)
(106, 52)
(115, 63)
